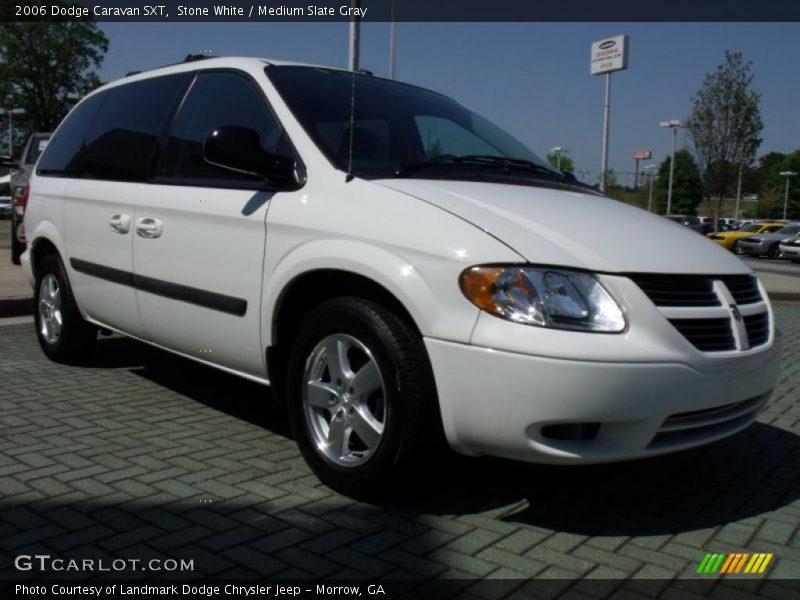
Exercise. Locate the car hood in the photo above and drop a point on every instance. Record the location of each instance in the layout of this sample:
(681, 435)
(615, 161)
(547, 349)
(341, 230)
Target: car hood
(574, 229)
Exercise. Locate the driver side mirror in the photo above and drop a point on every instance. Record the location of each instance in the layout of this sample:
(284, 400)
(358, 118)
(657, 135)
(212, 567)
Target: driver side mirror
(8, 162)
(239, 149)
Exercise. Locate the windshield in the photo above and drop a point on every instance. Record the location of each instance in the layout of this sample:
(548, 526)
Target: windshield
(395, 125)
(790, 230)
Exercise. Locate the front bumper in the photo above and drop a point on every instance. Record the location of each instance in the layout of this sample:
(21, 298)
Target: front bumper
(505, 404)
(790, 252)
(753, 249)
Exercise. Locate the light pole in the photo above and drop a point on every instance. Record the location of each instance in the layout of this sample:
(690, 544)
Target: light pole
(558, 151)
(738, 192)
(673, 124)
(787, 174)
(650, 170)
(393, 44)
(11, 112)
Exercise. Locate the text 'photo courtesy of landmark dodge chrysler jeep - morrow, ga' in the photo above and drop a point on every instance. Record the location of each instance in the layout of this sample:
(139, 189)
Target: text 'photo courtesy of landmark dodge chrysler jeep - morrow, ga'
(397, 268)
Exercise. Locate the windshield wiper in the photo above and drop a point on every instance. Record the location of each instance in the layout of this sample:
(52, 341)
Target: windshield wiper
(477, 159)
(509, 162)
(413, 166)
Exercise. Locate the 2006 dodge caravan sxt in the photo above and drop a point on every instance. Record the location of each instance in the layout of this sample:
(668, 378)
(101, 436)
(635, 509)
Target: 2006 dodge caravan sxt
(396, 266)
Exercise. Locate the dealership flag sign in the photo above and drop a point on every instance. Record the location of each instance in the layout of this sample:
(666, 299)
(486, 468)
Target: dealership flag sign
(610, 54)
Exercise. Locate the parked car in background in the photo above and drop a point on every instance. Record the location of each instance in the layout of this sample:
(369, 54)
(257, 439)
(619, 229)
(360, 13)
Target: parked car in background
(790, 249)
(19, 189)
(730, 239)
(690, 221)
(767, 243)
(5, 207)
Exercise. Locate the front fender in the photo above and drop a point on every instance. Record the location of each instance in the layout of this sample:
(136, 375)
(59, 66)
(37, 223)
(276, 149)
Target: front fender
(434, 302)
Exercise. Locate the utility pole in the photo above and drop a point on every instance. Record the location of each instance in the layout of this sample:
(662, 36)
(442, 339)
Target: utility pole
(673, 124)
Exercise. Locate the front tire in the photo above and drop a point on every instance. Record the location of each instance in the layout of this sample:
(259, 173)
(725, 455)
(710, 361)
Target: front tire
(774, 252)
(62, 332)
(361, 396)
(736, 248)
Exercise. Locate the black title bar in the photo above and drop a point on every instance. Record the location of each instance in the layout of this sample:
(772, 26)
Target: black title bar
(400, 10)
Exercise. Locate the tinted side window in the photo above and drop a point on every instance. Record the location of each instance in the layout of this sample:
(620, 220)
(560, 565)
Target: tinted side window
(36, 147)
(122, 137)
(60, 154)
(216, 98)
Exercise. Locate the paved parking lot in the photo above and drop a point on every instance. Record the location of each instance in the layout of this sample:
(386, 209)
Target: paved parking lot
(144, 454)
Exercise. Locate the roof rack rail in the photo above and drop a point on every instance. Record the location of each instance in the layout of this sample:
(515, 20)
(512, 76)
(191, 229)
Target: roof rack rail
(194, 57)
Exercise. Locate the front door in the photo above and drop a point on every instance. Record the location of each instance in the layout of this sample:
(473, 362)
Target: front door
(199, 232)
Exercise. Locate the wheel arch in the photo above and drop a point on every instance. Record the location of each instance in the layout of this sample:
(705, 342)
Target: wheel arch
(309, 289)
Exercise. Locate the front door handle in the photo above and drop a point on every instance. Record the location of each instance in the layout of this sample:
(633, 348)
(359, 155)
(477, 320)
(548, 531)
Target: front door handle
(149, 227)
(120, 223)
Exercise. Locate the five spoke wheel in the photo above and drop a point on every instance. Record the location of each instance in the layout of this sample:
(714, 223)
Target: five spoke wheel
(344, 399)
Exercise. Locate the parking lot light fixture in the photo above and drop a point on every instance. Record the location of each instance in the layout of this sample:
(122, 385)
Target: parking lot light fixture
(558, 151)
(651, 172)
(787, 174)
(673, 124)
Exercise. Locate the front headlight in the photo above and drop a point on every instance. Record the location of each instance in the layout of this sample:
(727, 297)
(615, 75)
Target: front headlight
(544, 297)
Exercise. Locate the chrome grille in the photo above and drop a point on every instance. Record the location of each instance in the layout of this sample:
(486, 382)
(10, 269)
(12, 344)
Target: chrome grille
(708, 335)
(743, 288)
(715, 313)
(757, 328)
(677, 290)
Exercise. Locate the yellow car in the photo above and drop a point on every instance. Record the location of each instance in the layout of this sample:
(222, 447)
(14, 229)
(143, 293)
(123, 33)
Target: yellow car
(730, 239)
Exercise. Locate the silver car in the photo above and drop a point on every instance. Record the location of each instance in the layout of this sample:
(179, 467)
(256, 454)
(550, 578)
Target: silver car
(790, 249)
(768, 243)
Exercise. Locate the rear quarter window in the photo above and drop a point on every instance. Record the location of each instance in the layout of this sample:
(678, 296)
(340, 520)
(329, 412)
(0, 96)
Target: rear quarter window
(61, 152)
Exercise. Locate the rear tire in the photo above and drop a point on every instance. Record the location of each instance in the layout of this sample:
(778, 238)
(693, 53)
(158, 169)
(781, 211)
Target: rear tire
(62, 332)
(361, 396)
(736, 249)
(774, 251)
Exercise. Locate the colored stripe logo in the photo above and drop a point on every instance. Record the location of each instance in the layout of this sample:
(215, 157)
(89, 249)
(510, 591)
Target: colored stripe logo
(736, 562)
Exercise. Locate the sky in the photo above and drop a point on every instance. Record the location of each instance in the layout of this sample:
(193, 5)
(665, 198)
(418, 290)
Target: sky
(532, 79)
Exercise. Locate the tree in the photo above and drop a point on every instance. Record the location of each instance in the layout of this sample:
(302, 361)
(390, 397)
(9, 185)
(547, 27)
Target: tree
(773, 192)
(725, 125)
(687, 185)
(566, 161)
(47, 67)
(753, 179)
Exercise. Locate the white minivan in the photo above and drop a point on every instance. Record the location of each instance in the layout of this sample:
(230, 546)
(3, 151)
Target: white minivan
(395, 266)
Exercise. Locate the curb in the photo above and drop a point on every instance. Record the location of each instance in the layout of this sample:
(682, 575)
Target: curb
(18, 306)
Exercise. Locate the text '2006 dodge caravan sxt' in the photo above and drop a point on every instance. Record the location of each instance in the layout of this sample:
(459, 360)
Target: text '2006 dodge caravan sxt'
(396, 266)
